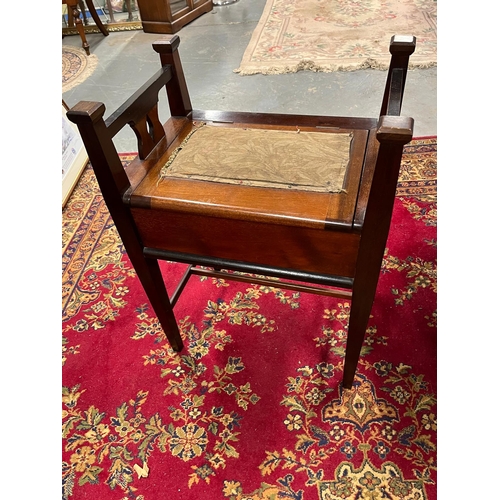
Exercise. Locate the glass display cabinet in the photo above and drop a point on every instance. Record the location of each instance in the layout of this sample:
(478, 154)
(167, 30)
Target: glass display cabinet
(169, 16)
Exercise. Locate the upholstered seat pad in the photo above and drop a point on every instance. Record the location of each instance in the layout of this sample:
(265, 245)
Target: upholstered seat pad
(309, 161)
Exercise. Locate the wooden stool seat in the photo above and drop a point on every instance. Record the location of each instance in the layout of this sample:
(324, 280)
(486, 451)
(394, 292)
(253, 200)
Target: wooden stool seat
(255, 224)
(225, 206)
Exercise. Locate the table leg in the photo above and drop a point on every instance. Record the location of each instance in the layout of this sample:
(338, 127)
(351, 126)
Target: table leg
(95, 17)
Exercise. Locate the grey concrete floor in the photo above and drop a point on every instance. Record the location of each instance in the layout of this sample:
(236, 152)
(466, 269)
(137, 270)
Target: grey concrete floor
(212, 47)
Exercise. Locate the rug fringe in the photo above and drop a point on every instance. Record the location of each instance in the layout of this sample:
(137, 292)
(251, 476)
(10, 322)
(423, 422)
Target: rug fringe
(318, 68)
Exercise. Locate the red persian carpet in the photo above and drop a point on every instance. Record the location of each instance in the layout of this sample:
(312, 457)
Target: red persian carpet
(251, 409)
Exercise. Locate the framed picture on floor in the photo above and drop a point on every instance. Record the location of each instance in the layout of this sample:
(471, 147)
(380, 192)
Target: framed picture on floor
(74, 155)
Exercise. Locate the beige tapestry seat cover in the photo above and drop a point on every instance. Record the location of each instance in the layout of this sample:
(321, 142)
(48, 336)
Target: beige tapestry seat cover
(309, 161)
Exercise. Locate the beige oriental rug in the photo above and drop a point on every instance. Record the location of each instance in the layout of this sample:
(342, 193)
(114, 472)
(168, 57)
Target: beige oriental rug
(338, 35)
(77, 66)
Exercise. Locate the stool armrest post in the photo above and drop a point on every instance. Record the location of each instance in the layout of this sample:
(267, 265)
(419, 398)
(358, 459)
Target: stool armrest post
(177, 91)
(108, 169)
(401, 47)
(393, 133)
(88, 117)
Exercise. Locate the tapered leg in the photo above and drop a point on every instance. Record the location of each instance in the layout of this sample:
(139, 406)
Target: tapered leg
(393, 133)
(363, 295)
(151, 279)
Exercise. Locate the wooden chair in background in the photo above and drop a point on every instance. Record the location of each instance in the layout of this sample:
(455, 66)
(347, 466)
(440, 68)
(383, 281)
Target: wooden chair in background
(74, 19)
(327, 243)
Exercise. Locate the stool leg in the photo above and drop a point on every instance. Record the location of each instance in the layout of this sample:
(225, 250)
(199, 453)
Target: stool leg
(374, 237)
(148, 272)
(370, 257)
(363, 294)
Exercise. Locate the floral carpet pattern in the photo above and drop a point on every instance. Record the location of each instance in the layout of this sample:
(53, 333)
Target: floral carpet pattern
(320, 35)
(251, 408)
